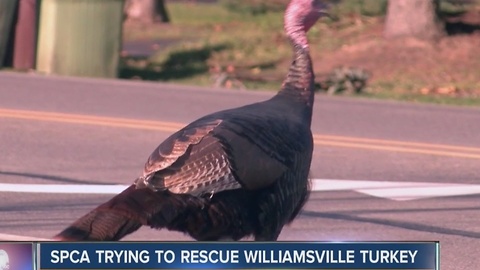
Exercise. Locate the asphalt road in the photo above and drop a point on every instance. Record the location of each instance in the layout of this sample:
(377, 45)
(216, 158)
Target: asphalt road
(57, 130)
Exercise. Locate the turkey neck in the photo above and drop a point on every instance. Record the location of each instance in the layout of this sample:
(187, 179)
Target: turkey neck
(298, 85)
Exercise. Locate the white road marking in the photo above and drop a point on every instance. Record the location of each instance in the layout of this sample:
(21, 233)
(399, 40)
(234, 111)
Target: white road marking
(398, 191)
(52, 188)
(13, 237)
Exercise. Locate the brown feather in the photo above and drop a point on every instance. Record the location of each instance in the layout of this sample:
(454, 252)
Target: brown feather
(203, 169)
(174, 147)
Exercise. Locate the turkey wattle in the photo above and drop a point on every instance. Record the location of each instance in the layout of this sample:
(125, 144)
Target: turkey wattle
(230, 174)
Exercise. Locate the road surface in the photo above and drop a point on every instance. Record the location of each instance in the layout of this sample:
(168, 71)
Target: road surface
(402, 159)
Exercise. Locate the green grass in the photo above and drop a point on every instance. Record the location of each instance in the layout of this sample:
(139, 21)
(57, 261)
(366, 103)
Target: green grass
(248, 37)
(215, 36)
(362, 7)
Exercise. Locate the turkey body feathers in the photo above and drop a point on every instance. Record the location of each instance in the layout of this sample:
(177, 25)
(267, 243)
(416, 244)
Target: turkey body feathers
(244, 176)
(230, 174)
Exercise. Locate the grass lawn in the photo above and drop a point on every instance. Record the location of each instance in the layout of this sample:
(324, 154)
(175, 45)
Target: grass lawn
(211, 44)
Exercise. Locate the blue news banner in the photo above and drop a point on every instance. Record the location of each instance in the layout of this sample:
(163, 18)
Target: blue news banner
(239, 255)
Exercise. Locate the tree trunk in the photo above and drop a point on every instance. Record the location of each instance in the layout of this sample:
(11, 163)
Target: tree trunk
(146, 11)
(25, 35)
(413, 18)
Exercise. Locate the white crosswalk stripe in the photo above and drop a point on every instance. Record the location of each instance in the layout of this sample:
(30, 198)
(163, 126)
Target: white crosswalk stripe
(398, 191)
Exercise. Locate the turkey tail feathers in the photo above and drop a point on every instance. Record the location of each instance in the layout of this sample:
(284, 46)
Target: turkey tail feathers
(111, 227)
(227, 214)
(122, 215)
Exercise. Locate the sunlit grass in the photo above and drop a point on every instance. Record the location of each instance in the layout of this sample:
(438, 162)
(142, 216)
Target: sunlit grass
(215, 37)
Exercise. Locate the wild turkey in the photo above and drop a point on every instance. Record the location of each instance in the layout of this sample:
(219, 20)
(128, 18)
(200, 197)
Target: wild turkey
(230, 174)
